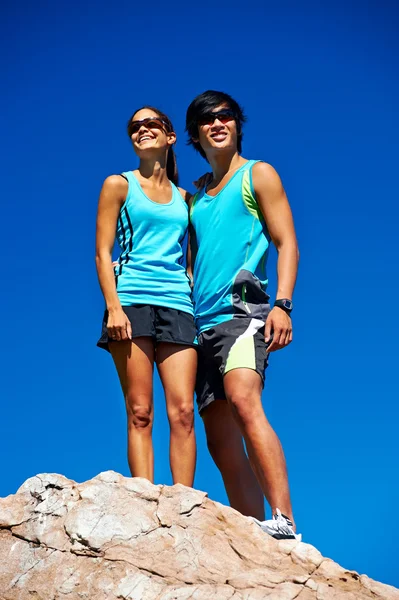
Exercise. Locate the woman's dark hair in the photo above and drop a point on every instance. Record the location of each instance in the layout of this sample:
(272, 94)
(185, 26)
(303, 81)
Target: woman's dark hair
(205, 103)
(171, 163)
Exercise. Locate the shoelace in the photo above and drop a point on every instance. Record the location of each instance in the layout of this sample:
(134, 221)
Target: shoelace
(282, 525)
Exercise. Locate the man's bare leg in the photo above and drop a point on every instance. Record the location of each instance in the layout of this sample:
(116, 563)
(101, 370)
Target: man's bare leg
(226, 447)
(243, 389)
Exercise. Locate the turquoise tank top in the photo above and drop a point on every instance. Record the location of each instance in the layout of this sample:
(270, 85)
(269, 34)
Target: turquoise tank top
(150, 267)
(229, 243)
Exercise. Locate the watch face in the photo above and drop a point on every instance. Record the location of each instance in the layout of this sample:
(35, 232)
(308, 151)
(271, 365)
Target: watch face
(288, 304)
(285, 304)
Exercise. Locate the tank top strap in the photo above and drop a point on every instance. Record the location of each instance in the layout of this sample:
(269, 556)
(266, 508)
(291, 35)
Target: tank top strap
(131, 179)
(248, 167)
(132, 185)
(176, 194)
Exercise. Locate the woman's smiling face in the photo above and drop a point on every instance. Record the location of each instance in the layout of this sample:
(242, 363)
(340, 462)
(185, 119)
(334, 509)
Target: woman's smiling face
(150, 132)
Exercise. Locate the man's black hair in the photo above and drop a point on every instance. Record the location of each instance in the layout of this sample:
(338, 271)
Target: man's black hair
(206, 102)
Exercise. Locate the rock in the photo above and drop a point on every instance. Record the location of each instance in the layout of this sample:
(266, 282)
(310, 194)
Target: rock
(117, 538)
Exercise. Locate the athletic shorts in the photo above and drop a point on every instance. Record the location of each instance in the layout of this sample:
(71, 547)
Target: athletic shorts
(161, 324)
(235, 344)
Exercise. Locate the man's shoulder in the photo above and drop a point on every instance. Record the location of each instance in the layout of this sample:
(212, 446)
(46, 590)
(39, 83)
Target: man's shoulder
(263, 168)
(264, 174)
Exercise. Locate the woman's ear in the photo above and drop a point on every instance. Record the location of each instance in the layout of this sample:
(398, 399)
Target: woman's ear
(171, 138)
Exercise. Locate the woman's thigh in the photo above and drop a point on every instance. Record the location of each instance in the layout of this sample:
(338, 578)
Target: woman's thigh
(134, 361)
(177, 367)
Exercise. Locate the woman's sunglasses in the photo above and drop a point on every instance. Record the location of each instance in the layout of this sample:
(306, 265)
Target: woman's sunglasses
(224, 116)
(149, 123)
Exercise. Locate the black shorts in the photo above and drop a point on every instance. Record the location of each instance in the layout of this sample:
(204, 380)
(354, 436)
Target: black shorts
(234, 344)
(159, 323)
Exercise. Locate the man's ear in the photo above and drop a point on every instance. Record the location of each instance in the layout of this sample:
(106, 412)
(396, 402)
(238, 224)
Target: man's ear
(194, 139)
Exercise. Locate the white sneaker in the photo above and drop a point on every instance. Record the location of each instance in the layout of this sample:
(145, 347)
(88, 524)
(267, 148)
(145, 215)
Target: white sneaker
(280, 527)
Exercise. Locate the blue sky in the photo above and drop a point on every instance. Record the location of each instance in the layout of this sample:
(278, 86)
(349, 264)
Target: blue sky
(319, 84)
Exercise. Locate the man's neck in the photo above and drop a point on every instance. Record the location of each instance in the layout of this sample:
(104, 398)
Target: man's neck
(224, 163)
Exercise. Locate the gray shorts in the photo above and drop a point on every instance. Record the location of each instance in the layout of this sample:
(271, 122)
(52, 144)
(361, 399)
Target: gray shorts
(235, 344)
(162, 324)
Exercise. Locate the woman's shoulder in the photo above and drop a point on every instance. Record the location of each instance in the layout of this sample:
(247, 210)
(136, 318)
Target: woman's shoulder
(116, 182)
(115, 189)
(185, 195)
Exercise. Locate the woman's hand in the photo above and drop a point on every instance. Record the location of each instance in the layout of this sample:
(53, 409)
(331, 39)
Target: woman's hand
(118, 325)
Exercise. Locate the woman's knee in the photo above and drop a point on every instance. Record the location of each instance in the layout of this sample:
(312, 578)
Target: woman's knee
(181, 416)
(139, 410)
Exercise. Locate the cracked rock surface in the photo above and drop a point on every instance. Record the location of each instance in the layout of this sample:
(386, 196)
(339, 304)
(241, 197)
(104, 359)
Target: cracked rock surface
(118, 538)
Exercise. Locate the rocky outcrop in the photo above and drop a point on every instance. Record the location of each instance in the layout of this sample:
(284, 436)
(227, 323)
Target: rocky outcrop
(121, 538)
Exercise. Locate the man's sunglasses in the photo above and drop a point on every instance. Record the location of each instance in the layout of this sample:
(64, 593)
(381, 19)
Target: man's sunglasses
(149, 123)
(224, 116)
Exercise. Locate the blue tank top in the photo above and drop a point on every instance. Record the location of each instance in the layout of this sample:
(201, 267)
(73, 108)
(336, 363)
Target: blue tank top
(150, 236)
(230, 242)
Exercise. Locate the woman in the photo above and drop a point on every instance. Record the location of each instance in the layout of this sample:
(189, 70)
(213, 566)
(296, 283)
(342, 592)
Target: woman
(149, 313)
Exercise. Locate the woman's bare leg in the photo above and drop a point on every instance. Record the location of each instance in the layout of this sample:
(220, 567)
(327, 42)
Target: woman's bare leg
(177, 367)
(134, 361)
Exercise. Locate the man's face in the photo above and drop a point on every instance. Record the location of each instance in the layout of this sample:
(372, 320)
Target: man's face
(217, 134)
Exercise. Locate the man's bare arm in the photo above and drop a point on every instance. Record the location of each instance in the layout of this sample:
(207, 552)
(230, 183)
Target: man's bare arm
(273, 203)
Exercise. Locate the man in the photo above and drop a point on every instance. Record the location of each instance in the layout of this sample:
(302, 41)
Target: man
(233, 219)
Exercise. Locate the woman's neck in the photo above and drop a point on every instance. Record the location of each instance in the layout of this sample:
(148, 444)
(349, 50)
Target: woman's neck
(154, 170)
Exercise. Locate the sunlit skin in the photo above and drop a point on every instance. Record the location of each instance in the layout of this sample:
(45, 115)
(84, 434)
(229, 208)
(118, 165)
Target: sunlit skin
(219, 141)
(134, 357)
(242, 415)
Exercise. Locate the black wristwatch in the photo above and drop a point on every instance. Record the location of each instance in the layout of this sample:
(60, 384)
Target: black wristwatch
(285, 304)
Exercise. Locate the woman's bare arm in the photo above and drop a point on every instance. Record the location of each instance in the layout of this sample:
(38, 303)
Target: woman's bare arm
(112, 196)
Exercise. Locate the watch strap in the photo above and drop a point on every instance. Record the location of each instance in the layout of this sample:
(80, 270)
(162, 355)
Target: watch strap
(285, 304)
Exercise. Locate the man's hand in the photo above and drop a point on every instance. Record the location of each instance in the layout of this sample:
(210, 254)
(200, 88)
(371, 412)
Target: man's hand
(280, 324)
(203, 181)
(118, 325)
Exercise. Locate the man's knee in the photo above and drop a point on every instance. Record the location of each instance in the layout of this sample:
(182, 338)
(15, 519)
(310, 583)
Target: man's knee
(245, 404)
(226, 454)
(214, 447)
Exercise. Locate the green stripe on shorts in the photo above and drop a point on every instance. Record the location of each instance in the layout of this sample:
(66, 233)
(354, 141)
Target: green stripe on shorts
(242, 353)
